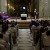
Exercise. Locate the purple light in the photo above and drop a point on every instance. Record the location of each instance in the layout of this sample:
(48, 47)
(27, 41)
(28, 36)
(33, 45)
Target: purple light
(4, 16)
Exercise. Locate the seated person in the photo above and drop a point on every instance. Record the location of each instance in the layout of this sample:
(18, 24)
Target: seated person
(3, 42)
(48, 33)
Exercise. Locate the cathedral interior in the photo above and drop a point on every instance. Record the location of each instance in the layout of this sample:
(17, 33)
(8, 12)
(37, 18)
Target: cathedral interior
(24, 24)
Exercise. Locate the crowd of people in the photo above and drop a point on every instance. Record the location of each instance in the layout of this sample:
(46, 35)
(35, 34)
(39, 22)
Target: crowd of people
(40, 31)
(37, 28)
(8, 35)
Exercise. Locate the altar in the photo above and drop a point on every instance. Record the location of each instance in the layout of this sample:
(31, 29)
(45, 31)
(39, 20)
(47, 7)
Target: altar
(23, 16)
(23, 23)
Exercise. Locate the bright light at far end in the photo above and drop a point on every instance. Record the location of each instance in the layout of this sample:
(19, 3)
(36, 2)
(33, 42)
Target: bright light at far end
(24, 8)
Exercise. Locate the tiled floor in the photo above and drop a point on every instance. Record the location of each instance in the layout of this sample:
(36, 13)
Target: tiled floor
(24, 40)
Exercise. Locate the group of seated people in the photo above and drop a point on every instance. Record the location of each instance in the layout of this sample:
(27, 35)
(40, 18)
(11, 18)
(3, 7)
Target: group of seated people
(41, 32)
(8, 36)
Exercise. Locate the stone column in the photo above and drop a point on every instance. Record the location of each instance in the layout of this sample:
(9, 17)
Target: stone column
(4, 6)
(49, 9)
(32, 5)
(43, 9)
(0, 5)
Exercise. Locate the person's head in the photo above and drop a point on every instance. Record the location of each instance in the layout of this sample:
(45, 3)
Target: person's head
(46, 29)
(1, 35)
(48, 33)
(32, 22)
(45, 25)
(16, 23)
(12, 25)
(48, 23)
(7, 21)
(35, 10)
(36, 24)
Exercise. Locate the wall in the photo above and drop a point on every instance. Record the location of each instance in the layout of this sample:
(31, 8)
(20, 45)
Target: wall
(37, 5)
(0, 4)
(49, 8)
(34, 4)
(3, 5)
(44, 9)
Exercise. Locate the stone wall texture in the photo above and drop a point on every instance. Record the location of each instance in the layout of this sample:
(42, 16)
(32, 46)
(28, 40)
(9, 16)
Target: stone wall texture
(44, 9)
(3, 5)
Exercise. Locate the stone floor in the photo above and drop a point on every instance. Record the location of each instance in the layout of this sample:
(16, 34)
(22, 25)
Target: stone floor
(24, 40)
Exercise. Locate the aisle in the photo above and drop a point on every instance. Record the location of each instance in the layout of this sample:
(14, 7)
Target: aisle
(24, 40)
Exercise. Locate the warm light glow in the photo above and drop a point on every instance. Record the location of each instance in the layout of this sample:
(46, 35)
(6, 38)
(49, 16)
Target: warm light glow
(8, 4)
(9, 7)
(13, 8)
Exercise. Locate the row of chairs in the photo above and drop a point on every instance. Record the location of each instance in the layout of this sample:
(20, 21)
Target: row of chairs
(8, 38)
(46, 39)
(39, 35)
